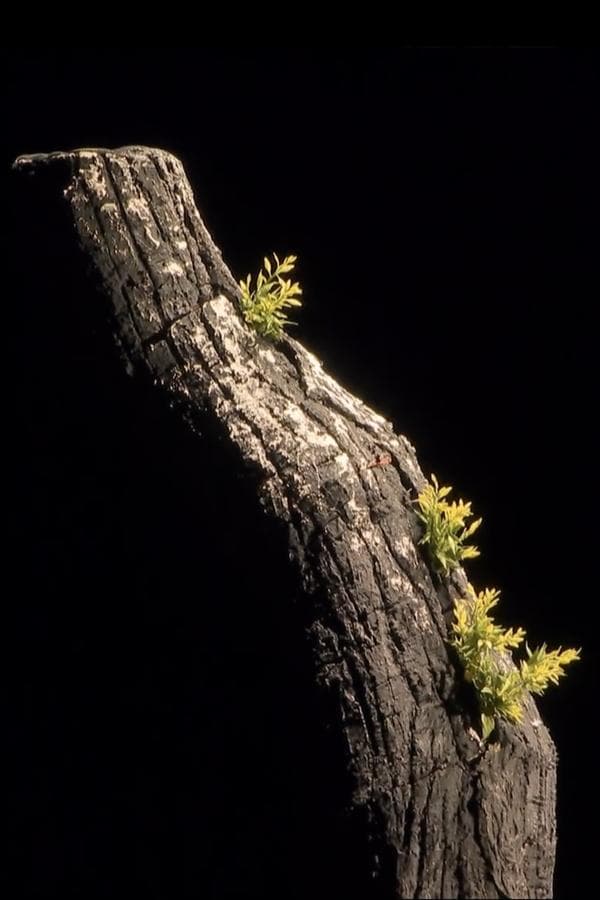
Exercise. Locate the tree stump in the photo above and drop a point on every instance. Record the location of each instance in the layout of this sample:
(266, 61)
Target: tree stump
(446, 816)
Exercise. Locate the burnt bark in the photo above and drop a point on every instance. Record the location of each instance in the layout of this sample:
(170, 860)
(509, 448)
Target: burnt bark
(446, 817)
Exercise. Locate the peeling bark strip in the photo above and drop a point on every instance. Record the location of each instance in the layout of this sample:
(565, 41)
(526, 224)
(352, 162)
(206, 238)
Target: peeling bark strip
(447, 819)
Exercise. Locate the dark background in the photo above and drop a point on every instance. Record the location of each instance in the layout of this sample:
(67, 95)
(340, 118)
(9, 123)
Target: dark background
(162, 734)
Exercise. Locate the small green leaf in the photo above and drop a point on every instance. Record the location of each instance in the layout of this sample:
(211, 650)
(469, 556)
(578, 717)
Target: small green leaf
(488, 723)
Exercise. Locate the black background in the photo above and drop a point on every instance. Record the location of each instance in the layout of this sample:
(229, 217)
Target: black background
(443, 204)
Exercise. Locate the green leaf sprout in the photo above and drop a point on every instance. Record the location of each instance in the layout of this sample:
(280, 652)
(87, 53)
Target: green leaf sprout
(446, 532)
(478, 640)
(263, 306)
(482, 644)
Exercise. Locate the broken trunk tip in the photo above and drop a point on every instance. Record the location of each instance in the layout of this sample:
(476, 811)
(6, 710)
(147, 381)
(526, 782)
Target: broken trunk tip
(28, 162)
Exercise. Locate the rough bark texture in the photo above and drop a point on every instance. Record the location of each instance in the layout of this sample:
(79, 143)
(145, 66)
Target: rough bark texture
(447, 818)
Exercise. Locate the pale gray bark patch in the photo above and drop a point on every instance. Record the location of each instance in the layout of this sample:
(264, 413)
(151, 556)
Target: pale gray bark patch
(445, 818)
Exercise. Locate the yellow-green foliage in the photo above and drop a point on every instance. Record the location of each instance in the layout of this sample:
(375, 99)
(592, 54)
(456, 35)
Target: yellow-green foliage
(543, 667)
(446, 531)
(478, 640)
(263, 306)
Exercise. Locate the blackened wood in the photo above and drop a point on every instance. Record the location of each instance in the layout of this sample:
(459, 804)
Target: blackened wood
(446, 818)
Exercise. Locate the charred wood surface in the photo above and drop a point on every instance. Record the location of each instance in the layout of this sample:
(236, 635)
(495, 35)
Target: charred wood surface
(446, 817)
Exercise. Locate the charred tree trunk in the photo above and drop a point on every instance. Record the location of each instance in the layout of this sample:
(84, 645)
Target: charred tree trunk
(447, 818)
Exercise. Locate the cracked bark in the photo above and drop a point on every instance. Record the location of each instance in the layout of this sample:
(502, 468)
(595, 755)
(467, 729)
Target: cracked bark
(444, 819)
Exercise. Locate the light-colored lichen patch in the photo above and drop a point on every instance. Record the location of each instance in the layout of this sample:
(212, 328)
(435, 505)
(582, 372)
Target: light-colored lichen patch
(173, 268)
